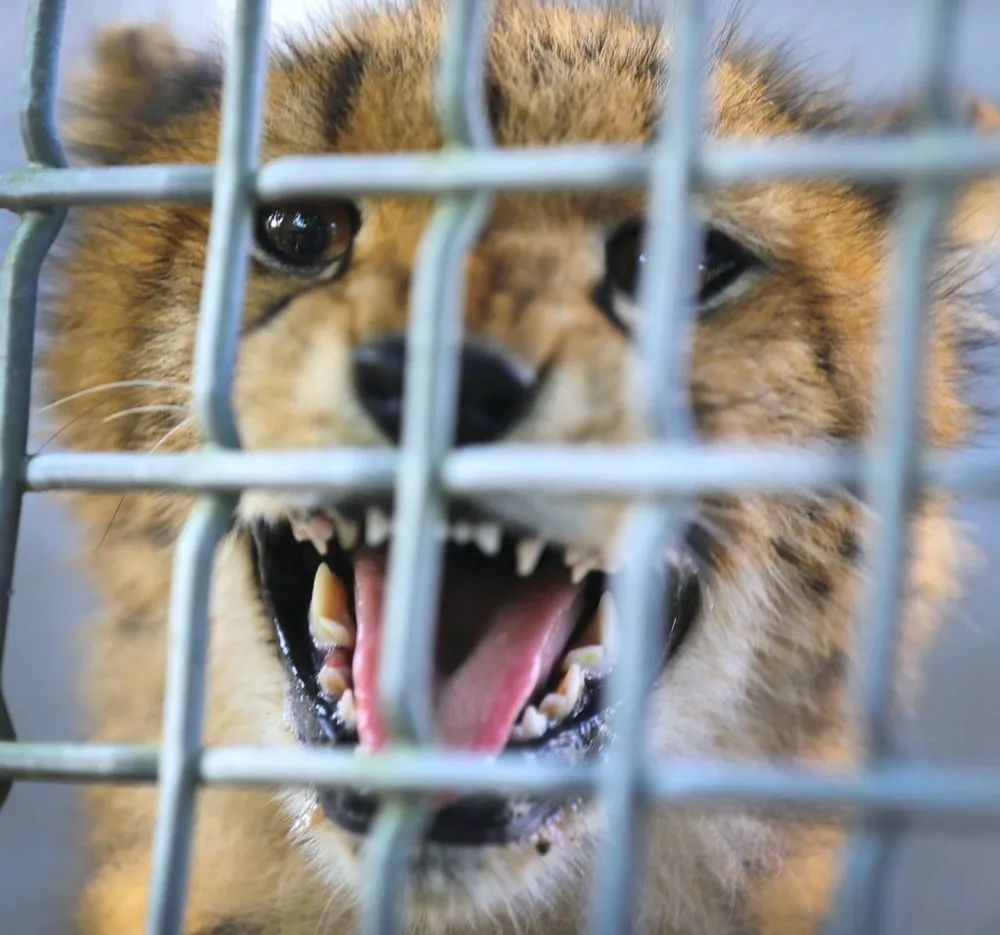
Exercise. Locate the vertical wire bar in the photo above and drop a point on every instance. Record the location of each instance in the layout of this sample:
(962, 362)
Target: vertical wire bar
(665, 291)
(890, 463)
(19, 296)
(429, 407)
(218, 328)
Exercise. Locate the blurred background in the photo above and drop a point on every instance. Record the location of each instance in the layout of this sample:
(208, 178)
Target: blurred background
(941, 882)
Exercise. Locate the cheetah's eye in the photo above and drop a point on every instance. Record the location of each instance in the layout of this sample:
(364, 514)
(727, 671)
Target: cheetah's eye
(305, 240)
(723, 263)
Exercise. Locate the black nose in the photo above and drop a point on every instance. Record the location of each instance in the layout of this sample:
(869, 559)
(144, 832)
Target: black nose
(494, 390)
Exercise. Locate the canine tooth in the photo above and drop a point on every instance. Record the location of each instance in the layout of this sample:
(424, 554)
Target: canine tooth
(378, 526)
(588, 658)
(460, 532)
(529, 551)
(316, 529)
(346, 710)
(329, 623)
(346, 532)
(488, 536)
(533, 724)
(560, 703)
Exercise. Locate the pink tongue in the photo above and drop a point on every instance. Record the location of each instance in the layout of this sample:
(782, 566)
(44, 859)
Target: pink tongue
(476, 706)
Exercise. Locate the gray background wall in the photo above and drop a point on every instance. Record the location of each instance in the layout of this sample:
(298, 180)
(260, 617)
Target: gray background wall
(941, 882)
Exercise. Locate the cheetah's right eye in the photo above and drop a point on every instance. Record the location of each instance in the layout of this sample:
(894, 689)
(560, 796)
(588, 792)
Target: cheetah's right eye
(722, 265)
(305, 240)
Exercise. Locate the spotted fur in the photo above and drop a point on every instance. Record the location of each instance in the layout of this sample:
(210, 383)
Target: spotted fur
(792, 359)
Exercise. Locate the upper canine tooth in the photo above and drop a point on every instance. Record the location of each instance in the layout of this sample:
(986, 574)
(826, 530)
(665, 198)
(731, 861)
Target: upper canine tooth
(329, 622)
(378, 526)
(461, 532)
(561, 703)
(529, 551)
(317, 529)
(488, 536)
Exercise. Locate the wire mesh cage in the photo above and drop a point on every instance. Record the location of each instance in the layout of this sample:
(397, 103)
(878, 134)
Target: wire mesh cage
(427, 470)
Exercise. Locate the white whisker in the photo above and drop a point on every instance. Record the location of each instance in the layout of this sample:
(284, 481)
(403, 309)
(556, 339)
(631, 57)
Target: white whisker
(121, 384)
(163, 407)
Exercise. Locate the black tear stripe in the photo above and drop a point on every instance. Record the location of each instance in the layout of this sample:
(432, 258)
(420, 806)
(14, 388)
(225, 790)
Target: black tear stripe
(347, 70)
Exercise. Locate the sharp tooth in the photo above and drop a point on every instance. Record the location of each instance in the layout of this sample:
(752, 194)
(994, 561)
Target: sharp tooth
(588, 658)
(581, 569)
(332, 681)
(461, 533)
(334, 677)
(329, 622)
(529, 551)
(316, 529)
(378, 526)
(533, 724)
(488, 536)
(561, 703)
(346, 710)
(346, 532)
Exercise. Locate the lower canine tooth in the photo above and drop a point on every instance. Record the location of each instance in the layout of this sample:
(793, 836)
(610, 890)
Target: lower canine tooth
(529, 551)
(561, 703)
(533, 724)
(329, 622)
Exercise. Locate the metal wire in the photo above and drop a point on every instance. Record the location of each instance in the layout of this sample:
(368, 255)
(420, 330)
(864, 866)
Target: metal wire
(659, 476)
(19, 297)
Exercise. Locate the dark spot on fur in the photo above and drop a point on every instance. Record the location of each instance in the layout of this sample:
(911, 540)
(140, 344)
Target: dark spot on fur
(188, 90)
(346, 73)
(830, 671)
(543, 846)
(814, 578)
(848, 546)
(496, 103)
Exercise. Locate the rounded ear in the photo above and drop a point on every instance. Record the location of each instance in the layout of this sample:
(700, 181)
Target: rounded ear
(140, 80)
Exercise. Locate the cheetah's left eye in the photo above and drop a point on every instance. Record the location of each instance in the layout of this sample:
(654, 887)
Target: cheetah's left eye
(723, 263)
(305, 240)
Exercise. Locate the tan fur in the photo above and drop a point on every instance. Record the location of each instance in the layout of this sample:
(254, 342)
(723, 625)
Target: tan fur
(762, 674)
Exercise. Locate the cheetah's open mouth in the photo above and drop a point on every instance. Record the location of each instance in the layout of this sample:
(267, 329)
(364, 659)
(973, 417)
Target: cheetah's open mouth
(526, 634)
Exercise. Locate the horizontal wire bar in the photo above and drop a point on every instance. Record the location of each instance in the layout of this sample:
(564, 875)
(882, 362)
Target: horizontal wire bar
(628, 471)
(923, 792)
(944, 155)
